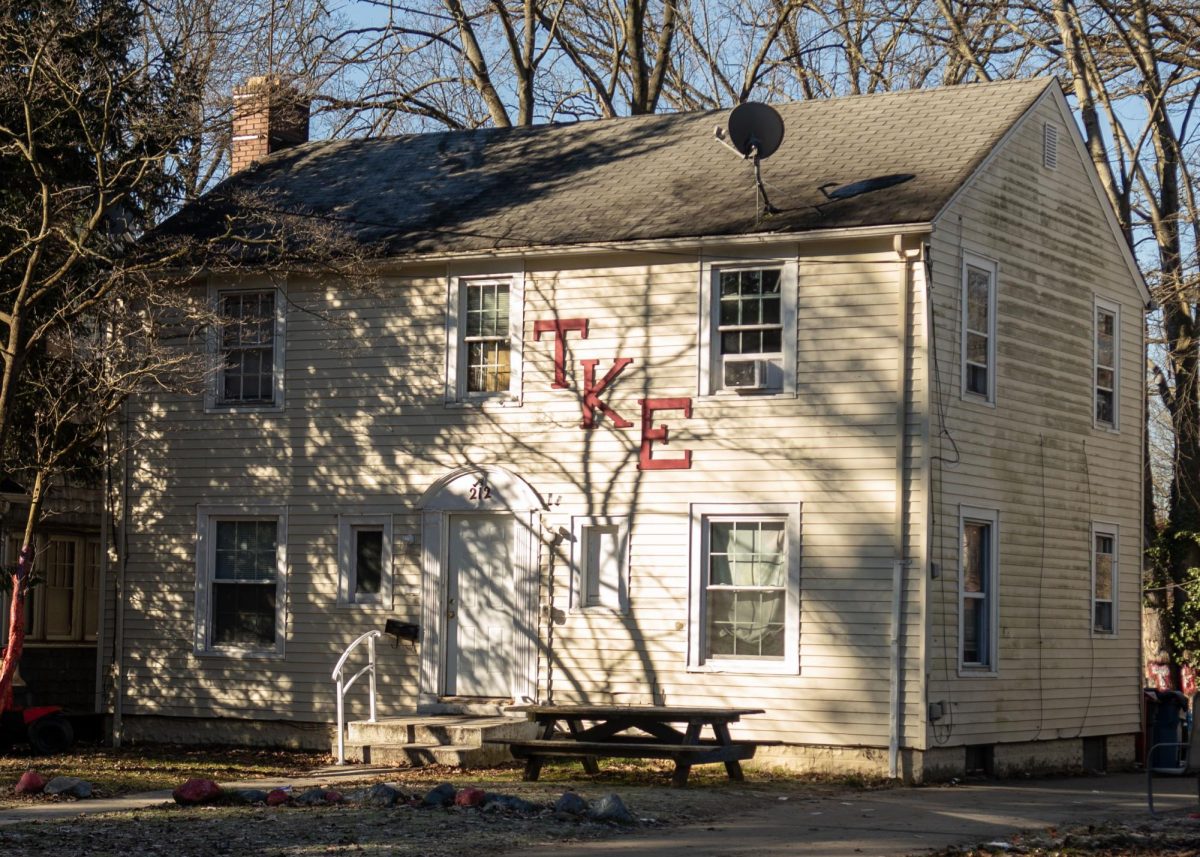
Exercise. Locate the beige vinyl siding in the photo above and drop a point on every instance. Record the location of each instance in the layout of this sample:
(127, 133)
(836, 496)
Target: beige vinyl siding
(364, 425)
(1035, 457)
(831, 447)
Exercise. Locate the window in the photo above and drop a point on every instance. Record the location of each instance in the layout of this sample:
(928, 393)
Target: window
(600, 547)
(63, 605)
(746, 589)
(1106, 359)
(977, 588)
(240, 560)
(365, 560)
(979, 328)
(484, 340)
(1104, 579)
(748, 329)
(249, 349)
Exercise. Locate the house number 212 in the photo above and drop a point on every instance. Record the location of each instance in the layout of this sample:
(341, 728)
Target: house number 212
(480, 491)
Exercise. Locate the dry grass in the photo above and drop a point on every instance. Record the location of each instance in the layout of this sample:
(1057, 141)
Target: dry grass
(130, 770)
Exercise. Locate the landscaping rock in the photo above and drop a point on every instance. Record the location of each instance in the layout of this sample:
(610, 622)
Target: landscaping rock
(470, 797)
(68, 787)
(334, 796)
(31, 783)
(611, 808)
(277, 797)
(249, 795)
(195, 791)
(312, 797)
(442, 795)
(511, 803)
(381, 794)
(571, 804)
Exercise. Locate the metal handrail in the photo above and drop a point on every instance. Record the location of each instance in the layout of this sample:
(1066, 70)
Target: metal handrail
(344, 685)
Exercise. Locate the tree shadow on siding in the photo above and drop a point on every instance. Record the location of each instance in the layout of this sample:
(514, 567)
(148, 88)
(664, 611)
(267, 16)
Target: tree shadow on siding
(366, 429)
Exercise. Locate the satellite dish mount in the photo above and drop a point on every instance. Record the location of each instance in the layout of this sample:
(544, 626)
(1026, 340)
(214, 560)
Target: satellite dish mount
(755, 132)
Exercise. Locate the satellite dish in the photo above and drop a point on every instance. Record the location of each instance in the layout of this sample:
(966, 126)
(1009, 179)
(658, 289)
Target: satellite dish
(755, 129)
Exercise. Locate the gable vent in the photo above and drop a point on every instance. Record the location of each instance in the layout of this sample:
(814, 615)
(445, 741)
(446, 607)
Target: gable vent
(1050, 146)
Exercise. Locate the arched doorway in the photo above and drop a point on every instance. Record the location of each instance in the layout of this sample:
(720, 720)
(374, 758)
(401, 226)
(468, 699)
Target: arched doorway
(479, 589)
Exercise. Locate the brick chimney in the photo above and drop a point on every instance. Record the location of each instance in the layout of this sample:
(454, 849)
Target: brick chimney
(268, 115)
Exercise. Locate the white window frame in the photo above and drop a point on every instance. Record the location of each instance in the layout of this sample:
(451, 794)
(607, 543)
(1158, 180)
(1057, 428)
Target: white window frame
(581, 572)
(700, 516)
(1100, 305)
(206, 540)
(990, 517)
(348, 527)
(456, 351)
(1103, 528)
(710, 368)
(972, 260)
(213, 400)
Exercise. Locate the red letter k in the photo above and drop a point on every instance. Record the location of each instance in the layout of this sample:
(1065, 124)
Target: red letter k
(592, 391)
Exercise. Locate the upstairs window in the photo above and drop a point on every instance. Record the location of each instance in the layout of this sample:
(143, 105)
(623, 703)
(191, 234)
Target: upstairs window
(484, 340)
(1106, 360)
(979, 328)
(249, 349)
(749, 330)
(1104, 579)
(485, 333)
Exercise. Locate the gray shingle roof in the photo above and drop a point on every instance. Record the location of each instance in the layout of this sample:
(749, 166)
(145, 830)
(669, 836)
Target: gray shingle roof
(644, 177)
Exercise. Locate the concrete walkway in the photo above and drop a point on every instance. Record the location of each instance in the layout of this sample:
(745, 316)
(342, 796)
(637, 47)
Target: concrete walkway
(901, 821)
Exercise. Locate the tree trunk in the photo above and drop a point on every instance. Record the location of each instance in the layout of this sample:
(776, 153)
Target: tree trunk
(20, 591)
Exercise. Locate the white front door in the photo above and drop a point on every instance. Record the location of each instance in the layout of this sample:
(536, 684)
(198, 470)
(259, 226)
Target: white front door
(480, 606)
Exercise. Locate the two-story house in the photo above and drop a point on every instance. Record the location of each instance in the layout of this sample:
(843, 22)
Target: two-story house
(608, 431)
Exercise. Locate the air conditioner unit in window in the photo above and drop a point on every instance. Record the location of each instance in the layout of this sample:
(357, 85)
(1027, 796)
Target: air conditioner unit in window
(740, 373)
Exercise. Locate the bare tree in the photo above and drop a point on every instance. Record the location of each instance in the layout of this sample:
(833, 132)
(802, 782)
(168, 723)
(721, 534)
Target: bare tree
(94, 116)
(214, 45)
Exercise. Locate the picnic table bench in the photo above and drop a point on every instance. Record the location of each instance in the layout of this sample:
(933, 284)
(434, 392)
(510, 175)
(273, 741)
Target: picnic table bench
(564, 735)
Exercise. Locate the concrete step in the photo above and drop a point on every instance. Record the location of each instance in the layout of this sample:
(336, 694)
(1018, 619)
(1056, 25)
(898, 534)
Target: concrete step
(439, 729)
(456, 740)
(419, 755)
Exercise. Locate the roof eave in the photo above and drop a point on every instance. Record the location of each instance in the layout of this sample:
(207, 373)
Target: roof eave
(652, 245)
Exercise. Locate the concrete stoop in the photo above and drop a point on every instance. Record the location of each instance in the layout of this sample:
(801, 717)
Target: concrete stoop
(441, 739)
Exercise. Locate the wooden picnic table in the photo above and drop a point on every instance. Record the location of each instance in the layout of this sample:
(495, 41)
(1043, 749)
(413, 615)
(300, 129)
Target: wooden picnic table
(666, 732)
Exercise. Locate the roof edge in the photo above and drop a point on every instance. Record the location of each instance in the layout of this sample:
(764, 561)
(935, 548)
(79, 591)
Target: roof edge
(651, 245)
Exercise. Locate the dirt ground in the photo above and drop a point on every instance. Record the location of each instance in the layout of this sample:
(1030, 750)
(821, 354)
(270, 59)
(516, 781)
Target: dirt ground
(1143, 837)
(410, 831)
(405, 831)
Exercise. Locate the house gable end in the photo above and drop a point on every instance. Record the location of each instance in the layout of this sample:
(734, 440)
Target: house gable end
(1054, 93)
